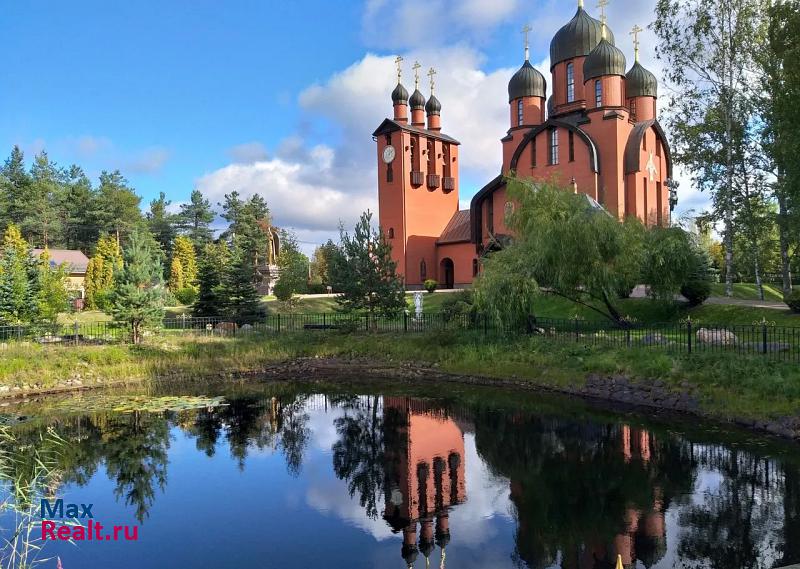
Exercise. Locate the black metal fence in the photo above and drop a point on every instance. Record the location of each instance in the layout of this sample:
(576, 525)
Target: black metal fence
(758, 338)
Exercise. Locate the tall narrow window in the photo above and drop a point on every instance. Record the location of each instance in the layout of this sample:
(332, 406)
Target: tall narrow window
(570, 83)
(423, 270)
(413, 145)
(644, 141)
(553, 146)
(519, 112)
(474, 267)
(431, 157)
(389, 173)
(571, 146)
(658, 148)
(644, 190)
(490, 214)
(533, 152)
(633, 109)
(598, 93)
(391, 233)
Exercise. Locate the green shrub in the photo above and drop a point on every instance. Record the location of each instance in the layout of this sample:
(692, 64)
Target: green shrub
(456, 304)
(186, 295)
(430, 285)
(696, 291)
(794, 300)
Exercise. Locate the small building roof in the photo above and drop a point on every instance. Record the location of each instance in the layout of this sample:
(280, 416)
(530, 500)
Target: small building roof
(75, 260)
(389, 125)
(457, 229)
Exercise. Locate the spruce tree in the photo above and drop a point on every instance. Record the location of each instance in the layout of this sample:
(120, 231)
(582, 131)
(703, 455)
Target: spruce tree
(240, 298)
(211, 268)
(195, 219)
(364, 272)
(138, 295)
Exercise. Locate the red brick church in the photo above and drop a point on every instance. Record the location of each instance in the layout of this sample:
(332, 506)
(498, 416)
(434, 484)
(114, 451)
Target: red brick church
(598, 133)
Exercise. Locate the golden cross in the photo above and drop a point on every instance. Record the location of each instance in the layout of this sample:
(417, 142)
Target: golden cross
(602, 5)
(397, 62)
(635, 33)
(580, 3)
(416, 67)
(525, 29)
(431, 73)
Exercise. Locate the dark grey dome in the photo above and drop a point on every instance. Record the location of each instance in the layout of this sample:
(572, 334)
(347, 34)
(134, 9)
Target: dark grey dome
(639, 82)
(433, 106)
(605, 59)
(527, 82)
(400, 95)
(417, 100)
(578, 37)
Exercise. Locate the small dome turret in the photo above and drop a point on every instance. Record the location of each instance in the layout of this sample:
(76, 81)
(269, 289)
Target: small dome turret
(527, 82)
(639, 82)
(605, 59)
(433, 106)
(577, 38)
(417, 100)
(400, 95)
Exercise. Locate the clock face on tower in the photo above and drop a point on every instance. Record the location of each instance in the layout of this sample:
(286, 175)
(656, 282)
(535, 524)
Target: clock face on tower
(388, 154)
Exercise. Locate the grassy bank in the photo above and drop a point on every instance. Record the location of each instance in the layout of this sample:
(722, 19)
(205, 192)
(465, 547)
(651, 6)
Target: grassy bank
(727, 385)
(749, 291)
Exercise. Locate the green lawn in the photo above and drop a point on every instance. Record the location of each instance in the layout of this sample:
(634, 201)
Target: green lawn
(749, 291)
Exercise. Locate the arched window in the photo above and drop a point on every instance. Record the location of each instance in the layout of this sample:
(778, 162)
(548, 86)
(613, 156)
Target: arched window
(391, 233)
(633, 109)
(553, 146)
(389, 173)
(570, 82)
(598, 93)
(519, 112)
(423, 270)
(533, 152)
(474, 267)
(571, 146)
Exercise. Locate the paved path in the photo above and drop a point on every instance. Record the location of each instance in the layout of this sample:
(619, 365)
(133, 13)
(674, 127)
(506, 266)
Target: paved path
(641, 292)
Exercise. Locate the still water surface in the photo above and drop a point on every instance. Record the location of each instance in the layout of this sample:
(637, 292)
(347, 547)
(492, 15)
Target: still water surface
(278, 477)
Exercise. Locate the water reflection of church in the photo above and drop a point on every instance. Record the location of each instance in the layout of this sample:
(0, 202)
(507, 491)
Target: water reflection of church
(425, 476)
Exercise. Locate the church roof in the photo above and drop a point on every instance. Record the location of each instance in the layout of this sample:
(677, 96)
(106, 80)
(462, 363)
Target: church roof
(389, 125)
(457, 230)
(527, 82)
(576, 38)
(639, 82)
(632, 157)
(605, 59)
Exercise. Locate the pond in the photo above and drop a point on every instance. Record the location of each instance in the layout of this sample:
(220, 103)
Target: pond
(379, 476)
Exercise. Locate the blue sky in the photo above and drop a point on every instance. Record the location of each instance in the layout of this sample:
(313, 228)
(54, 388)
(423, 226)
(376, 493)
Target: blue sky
(264, 96)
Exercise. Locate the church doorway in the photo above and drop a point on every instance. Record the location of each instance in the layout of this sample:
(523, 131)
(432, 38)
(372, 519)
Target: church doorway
(446, 273)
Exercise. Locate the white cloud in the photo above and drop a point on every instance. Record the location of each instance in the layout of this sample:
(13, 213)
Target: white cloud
(248, 152)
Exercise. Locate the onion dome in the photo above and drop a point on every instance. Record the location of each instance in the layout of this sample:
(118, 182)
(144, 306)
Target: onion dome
(639, 82)
(417, 100)
(400, 95)
(605, 59)
(578, 37)
(433, 106)
(426, 547)
(527, 82)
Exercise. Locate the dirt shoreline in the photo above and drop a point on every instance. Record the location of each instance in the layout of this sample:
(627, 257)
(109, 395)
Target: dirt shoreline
(607, 390)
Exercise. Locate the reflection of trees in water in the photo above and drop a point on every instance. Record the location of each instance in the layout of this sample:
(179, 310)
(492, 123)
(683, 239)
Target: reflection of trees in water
(360, 457)
(740, 521)
(135, 448)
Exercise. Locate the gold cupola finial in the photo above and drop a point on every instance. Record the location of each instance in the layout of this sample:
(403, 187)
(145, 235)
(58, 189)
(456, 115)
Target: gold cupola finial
(635, 33)
(602, 5)
(398, 62)
(431, 73)
(416, 67)
(525, 30)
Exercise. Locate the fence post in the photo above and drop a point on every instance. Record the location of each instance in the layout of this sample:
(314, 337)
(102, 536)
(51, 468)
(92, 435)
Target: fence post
(577, 335)
(764, 335)
(628, 337)
(75, 328)
(405, 321)
(485, 324)
(279, 322)
(689, 334)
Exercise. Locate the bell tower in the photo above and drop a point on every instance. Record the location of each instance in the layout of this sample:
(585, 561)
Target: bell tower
(417, 179)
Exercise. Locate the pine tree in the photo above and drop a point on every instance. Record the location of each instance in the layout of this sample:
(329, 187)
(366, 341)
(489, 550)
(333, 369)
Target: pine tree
(212, 265)
(175, 275)
(364, 272)
(161, 222)
(16, 184)
(240, 299)
(138, 295)
(195, 219)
